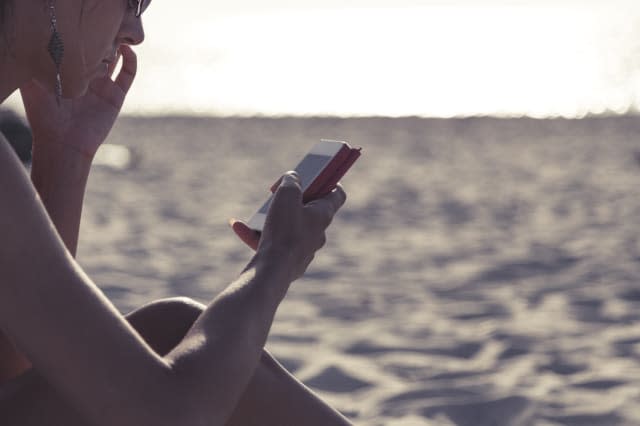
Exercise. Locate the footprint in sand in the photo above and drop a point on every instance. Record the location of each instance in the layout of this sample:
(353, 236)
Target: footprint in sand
(512, 411)
(564, 368)
(333, 379)
(600, 384)
(587, 420)
(464, 350)
(424, 394)
(627, 347)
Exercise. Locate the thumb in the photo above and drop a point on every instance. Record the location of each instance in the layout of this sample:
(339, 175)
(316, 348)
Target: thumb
(289, 191)
(246, 234)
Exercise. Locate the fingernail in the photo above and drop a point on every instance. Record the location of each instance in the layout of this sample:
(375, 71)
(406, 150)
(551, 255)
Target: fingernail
(290, 178)
(232, 221)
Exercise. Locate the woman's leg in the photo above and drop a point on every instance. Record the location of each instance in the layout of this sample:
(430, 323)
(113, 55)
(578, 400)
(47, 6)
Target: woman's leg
(273, 396)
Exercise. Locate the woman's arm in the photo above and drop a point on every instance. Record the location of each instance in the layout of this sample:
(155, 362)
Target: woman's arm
(59, 174)
(67, 136)
(58, 317)
(84, 347)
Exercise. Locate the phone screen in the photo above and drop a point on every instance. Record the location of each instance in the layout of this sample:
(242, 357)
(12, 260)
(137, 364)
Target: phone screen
(308, 169)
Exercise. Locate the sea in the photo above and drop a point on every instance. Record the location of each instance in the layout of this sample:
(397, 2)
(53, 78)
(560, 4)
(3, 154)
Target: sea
(389, 58)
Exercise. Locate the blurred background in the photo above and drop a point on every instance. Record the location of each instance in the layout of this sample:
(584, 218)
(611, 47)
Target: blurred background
(392, 58)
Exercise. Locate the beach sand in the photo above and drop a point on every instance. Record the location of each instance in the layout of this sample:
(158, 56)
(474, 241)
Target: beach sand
(483, 271)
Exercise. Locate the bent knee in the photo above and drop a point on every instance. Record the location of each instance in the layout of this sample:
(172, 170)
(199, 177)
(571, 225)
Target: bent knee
(173, 307)
(163, 323)
(179, 306)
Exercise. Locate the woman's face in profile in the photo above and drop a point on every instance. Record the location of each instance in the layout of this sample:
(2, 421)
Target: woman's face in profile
(92, 31)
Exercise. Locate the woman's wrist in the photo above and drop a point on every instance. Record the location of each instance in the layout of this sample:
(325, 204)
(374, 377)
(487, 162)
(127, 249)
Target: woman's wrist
(59, 165)
(59, 173)
(54, 148)
(58, 161)
(273, 268)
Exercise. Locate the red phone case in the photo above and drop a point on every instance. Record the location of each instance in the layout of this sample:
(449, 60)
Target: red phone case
(331, 175)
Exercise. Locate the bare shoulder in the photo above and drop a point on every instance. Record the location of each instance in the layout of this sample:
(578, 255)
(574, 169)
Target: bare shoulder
(17, 195)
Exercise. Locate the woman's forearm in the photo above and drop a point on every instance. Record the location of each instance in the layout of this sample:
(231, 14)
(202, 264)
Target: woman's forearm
(219, 355)
(59, 174)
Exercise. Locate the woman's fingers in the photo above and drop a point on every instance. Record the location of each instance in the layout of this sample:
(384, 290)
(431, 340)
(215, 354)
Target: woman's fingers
(287, 195)
(129, 68)
(246, 234)
(114, 64)
(291, 226)
(328, 206)
(288, 192)
(114, 92)
(337, 198)
(285, 225)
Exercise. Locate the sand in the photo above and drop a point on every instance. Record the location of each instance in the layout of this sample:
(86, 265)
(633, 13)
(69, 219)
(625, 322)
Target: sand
(482, 272)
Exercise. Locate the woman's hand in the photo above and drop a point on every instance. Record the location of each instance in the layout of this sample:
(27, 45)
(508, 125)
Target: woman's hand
(293, 232)
(83, 123)
(66, 137)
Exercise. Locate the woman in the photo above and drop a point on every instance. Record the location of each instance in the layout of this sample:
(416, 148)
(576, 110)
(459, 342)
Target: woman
(67, 357)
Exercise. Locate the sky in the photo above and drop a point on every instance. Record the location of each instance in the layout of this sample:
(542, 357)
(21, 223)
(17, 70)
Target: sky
(391, 58)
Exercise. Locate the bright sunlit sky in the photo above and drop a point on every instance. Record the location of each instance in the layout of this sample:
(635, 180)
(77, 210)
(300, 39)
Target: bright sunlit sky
(389, 57)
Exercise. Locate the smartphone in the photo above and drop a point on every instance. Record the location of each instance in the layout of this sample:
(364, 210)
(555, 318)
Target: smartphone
(320, 170)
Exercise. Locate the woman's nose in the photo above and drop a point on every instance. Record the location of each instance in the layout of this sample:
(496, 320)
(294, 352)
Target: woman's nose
(132, 31)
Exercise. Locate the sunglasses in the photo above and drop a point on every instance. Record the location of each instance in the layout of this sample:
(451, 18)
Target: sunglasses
(136, 5)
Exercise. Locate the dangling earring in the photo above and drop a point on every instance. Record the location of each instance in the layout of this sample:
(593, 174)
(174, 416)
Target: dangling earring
(56, 49)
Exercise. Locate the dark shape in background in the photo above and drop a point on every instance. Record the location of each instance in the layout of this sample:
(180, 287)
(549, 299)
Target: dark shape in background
(17, 133)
